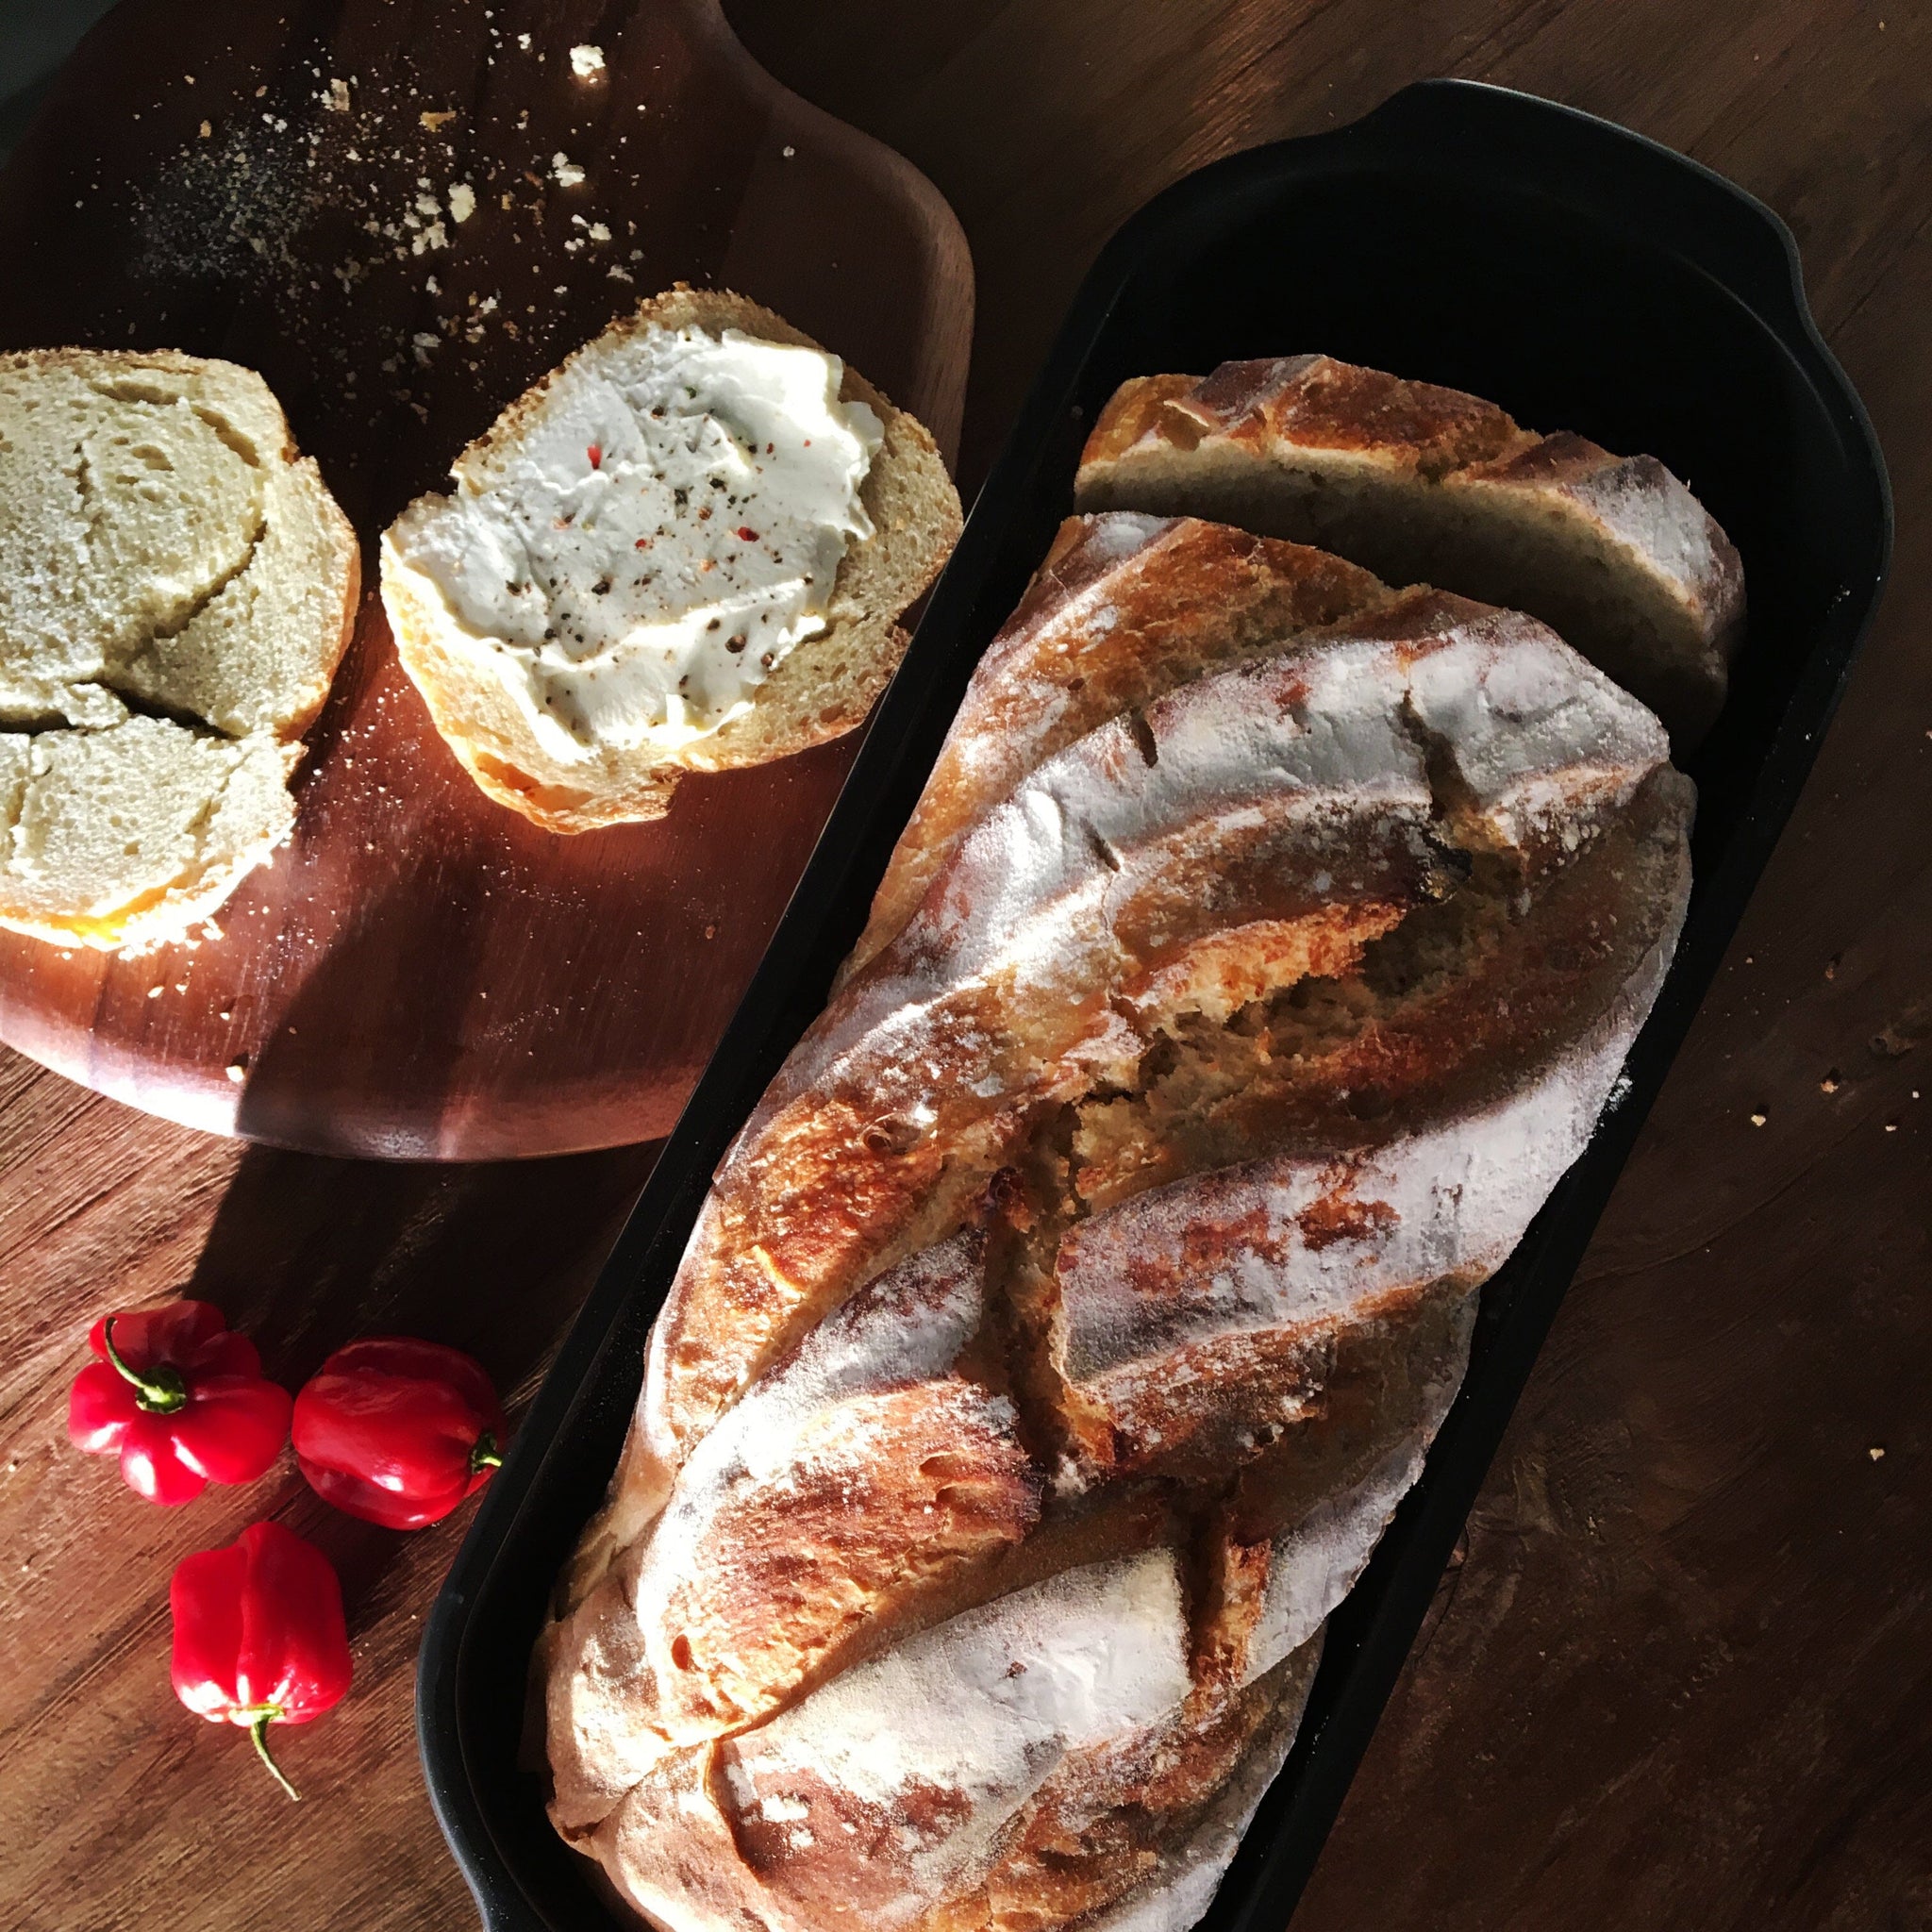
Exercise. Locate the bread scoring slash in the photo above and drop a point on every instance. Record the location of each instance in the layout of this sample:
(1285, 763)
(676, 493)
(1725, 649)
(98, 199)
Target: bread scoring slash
(685, 549)
(1065, 1326)
(180, 589)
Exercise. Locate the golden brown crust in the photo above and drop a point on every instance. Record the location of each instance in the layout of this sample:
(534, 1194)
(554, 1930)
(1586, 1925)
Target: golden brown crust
(1278, 939)
(1123, 610)
(1423, 483)
(349, 554)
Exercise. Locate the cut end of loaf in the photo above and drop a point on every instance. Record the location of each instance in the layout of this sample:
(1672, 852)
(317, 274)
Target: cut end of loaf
(1422, 483)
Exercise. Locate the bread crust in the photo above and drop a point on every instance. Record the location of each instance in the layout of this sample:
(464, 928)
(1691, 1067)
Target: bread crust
(1422, 483)
(1125, 608)
(857, 653)
(1252, 997)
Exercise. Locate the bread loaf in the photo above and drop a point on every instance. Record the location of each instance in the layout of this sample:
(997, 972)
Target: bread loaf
(1064, 1328)
(629, 582)
(180, 589)
(1424, 484)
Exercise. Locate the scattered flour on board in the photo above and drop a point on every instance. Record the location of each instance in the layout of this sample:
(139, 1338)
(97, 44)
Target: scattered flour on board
(343, 180)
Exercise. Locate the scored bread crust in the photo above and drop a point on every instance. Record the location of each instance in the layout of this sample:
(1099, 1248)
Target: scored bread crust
(1152, 1160)
(1125, 608)
(1426, 484)
(822, 689)
(180, 749)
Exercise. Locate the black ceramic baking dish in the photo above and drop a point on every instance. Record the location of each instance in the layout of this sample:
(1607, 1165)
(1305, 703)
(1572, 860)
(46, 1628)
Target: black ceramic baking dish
(1584, 279)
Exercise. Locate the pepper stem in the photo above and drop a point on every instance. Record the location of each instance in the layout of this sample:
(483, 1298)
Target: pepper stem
(485, 1454)
(258, 1733)
(160, 1389)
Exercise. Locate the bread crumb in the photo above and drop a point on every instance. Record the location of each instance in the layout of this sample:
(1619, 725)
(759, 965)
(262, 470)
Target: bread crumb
(1877, 1451)
(790, 152)
(1757, 1120)
(154, 992)
(463, 202)
(337, 99)
(524, 42)
(237, 1071)
(565, 172)
(1829, 1083)
(205, 130)
(599, 232)
(435, 120)
(585, 60)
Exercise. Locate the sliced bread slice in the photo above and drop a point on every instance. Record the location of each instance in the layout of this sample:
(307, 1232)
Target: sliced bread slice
(132, 834)
(1423, 484)
(180, 588)
(629, 580)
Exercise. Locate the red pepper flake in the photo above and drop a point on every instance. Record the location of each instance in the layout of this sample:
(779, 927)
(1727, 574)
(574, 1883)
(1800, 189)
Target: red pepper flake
(596, 453)
(746, 534)
(643, 543)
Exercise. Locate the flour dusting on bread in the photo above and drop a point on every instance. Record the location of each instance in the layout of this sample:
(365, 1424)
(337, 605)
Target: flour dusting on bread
(1266, 947)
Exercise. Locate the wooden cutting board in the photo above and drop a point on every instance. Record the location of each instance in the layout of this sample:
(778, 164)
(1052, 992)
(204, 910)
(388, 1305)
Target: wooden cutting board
(422, 974)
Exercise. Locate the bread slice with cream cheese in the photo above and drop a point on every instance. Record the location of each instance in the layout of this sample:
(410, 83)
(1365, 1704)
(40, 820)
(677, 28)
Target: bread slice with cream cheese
(179, 587)
(687, 548)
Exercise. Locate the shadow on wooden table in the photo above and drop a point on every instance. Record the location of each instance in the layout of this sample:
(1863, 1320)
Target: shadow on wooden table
(307, 1253)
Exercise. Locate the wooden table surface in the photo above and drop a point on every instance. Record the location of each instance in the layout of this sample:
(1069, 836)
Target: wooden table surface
(1681, 1673)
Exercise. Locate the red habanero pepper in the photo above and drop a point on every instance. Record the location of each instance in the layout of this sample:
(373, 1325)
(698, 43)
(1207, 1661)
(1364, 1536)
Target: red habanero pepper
(398, 1431)
(259, 1635)
(181, 1399)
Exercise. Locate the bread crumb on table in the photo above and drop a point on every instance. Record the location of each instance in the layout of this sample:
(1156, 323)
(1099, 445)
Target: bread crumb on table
(585, 60)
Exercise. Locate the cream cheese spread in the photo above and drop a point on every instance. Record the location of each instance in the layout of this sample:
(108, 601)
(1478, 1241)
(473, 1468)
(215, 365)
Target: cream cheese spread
(663, 532)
